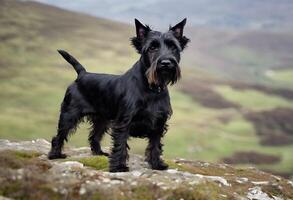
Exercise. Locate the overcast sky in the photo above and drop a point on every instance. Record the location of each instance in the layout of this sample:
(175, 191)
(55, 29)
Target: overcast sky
(216, 13)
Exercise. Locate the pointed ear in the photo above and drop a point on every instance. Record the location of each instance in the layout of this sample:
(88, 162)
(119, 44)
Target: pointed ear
(141, 34)
(178, 33)
(178, 28)
(141, 30)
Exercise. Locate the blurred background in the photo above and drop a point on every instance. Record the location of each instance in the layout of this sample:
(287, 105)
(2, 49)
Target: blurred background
(234, 103)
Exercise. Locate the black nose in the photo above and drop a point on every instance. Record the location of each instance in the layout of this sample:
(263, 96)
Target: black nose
(165, 62)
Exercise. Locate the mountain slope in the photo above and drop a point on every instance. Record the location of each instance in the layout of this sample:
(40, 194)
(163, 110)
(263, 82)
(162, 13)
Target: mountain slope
(249, 56)
(33, 76)
(30, 27)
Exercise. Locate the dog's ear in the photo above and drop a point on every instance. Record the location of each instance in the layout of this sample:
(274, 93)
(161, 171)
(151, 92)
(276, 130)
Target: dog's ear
(141, 30)
(141, 34)
(178, 33)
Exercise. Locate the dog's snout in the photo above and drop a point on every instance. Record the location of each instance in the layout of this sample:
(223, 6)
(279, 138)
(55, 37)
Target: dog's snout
(166, 63)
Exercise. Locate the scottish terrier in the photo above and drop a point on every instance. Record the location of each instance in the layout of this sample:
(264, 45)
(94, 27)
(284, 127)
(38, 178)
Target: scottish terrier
(135, 104)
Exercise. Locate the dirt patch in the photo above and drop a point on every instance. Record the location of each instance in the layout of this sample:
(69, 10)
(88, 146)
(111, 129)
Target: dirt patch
(275, 127)
(205, 95)
(251, 157)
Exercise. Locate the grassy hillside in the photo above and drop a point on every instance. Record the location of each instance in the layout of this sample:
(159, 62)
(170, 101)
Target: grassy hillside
(34, 76)
(250, 56)
(211, 117)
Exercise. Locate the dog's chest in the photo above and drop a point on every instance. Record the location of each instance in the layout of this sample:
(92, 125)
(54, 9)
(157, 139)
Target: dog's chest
(151, 115)
(153, 106)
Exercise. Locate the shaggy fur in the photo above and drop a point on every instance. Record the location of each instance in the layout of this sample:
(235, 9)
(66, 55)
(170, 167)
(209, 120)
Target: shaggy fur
(135, 104)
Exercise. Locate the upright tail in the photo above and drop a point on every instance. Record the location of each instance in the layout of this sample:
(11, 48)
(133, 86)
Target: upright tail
(76, 65)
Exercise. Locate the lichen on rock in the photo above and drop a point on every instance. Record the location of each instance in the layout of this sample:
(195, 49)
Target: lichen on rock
(26, 173)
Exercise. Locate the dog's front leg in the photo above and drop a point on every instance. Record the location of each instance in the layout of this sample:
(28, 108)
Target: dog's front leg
(154, 151)
(119, 154)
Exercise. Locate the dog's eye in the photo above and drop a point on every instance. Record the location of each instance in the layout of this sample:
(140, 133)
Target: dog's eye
(173, 47)
(154, 47)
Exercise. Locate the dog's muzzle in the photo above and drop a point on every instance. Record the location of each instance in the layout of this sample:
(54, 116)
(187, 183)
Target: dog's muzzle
(163, 71)
(168, 70)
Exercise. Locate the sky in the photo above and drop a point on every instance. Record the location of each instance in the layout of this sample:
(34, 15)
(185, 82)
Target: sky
(245, 14)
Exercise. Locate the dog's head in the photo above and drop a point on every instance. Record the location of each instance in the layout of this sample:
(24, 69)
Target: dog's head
(160, 52)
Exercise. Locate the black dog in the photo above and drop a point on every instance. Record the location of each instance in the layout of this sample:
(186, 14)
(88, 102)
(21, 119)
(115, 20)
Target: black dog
(136, 103)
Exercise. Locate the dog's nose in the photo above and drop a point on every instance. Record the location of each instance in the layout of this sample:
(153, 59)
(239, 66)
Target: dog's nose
(165, 62)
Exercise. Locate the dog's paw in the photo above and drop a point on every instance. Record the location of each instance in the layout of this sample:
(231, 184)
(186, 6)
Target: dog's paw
(52, 156)
(160, 166)
(100, 153)
(119, 169)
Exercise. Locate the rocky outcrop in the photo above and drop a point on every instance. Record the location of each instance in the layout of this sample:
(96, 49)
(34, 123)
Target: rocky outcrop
(26, 173)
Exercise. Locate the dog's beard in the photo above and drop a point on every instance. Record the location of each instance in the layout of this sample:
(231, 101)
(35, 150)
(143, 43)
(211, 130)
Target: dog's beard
(162, 77)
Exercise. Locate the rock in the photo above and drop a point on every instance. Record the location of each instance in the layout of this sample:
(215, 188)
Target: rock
(26, 173)
(241, 180)
(136, 173)
(260, 182)
(256, 193)
(215, 178)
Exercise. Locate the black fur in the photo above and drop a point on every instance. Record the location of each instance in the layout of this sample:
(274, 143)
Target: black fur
(135, 104)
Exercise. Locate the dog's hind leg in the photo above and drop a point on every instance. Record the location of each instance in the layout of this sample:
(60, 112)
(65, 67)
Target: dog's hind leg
(68, 120)
(67, 123)
(99, 128)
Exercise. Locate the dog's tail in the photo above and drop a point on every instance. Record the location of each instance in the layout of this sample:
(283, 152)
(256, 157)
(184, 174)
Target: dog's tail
(76, 65)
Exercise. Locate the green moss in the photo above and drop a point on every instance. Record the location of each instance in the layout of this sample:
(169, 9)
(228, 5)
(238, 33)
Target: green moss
(16, 159)
(173, 165)
(97, 162)
(26, 154)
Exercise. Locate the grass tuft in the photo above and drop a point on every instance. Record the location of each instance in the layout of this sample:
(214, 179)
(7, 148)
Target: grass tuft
(97, 162)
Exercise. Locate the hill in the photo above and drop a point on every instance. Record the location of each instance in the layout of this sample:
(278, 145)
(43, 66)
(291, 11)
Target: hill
(243, 55)
(33, 77)
(214, 119)
(26, 173)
